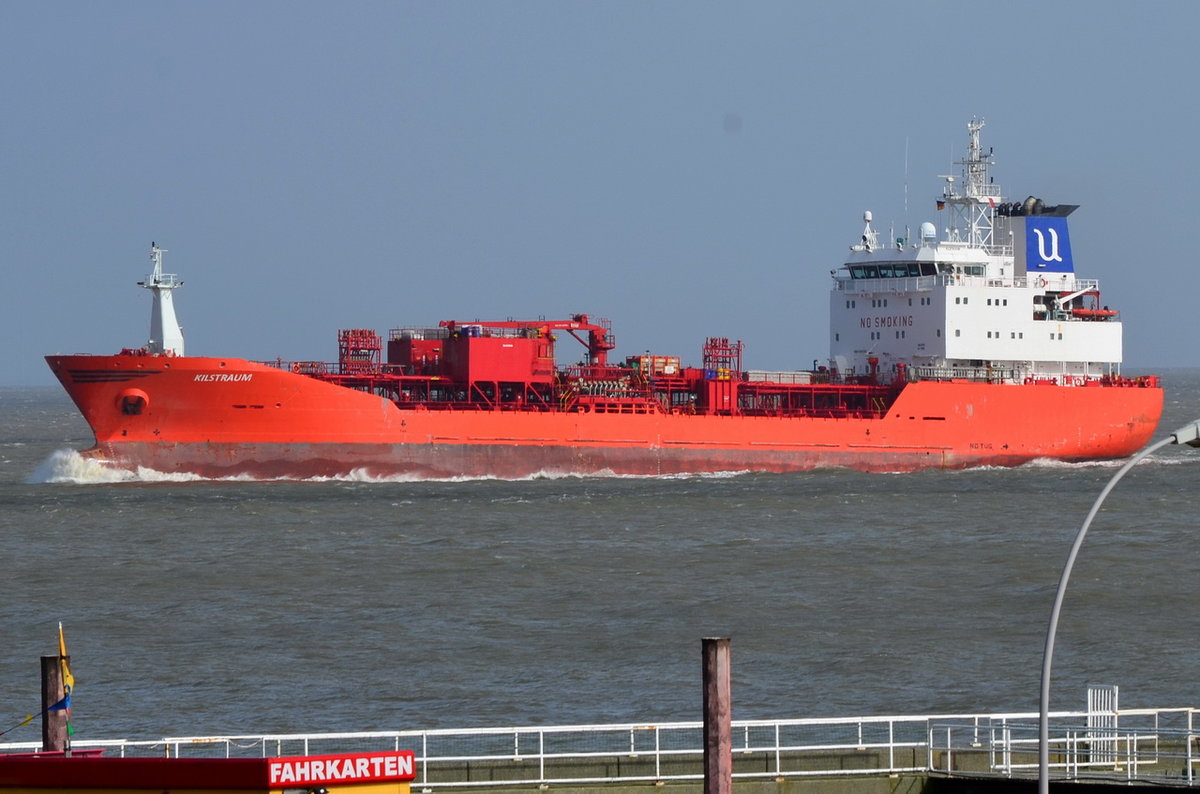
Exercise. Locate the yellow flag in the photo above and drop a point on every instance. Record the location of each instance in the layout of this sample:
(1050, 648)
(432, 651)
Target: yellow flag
(68, 680)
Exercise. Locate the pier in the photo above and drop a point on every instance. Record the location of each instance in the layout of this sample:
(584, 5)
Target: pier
(934, 754)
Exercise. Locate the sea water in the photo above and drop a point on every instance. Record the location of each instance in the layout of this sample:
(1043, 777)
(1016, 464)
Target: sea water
(194, 606)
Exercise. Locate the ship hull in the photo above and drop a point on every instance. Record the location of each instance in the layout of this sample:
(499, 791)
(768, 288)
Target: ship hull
(229, 417)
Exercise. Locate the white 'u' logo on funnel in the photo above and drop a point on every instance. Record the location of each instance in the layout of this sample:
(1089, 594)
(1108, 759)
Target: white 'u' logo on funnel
(1053, 256)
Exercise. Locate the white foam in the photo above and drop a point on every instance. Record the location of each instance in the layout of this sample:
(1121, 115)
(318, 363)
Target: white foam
(1152, 460)
(68, 466)
(363, 476)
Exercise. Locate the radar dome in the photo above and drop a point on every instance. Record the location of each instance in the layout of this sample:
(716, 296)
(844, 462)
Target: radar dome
(928, 231)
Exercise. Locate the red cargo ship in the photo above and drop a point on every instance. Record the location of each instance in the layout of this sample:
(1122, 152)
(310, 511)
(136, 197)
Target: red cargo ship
(979, 348)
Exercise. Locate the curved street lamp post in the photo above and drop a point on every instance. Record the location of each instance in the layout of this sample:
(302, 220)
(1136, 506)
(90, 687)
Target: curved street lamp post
(1190, 435)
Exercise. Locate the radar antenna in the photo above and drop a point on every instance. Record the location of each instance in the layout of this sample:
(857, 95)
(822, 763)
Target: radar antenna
(975, 207)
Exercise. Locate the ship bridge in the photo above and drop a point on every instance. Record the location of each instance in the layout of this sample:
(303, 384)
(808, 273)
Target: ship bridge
(993, 295)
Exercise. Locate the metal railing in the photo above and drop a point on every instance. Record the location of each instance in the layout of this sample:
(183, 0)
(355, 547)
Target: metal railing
(926, 283)
(891, 285)
(979, 374)
(1145, 745)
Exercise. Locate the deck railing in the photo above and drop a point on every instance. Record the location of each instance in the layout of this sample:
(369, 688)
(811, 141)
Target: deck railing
(926, 283)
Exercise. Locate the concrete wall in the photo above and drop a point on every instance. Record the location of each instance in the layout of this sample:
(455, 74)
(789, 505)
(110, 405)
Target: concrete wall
(643, 766)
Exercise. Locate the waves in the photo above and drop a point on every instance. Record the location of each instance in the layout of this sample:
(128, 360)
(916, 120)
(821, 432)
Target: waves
(68, 466)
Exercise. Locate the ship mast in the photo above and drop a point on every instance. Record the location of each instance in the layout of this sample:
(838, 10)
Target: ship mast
(166, 337)
(974, 208)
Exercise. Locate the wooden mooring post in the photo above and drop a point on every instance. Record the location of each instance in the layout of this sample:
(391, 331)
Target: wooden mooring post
(54, 723)
(718, 717)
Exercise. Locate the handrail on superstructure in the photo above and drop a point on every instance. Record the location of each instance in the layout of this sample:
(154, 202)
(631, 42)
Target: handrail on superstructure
(921, 283)
(987, 189)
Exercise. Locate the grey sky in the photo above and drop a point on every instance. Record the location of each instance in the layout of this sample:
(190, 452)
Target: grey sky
(683, 168)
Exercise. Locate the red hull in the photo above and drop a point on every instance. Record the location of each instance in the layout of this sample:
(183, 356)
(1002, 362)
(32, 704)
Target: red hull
(219, 417)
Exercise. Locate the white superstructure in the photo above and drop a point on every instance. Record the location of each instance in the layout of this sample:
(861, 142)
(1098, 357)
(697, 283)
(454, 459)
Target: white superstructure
(993, 296)
(166, 337)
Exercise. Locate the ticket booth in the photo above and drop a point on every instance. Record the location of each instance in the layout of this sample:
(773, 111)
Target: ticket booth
(385, 772)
